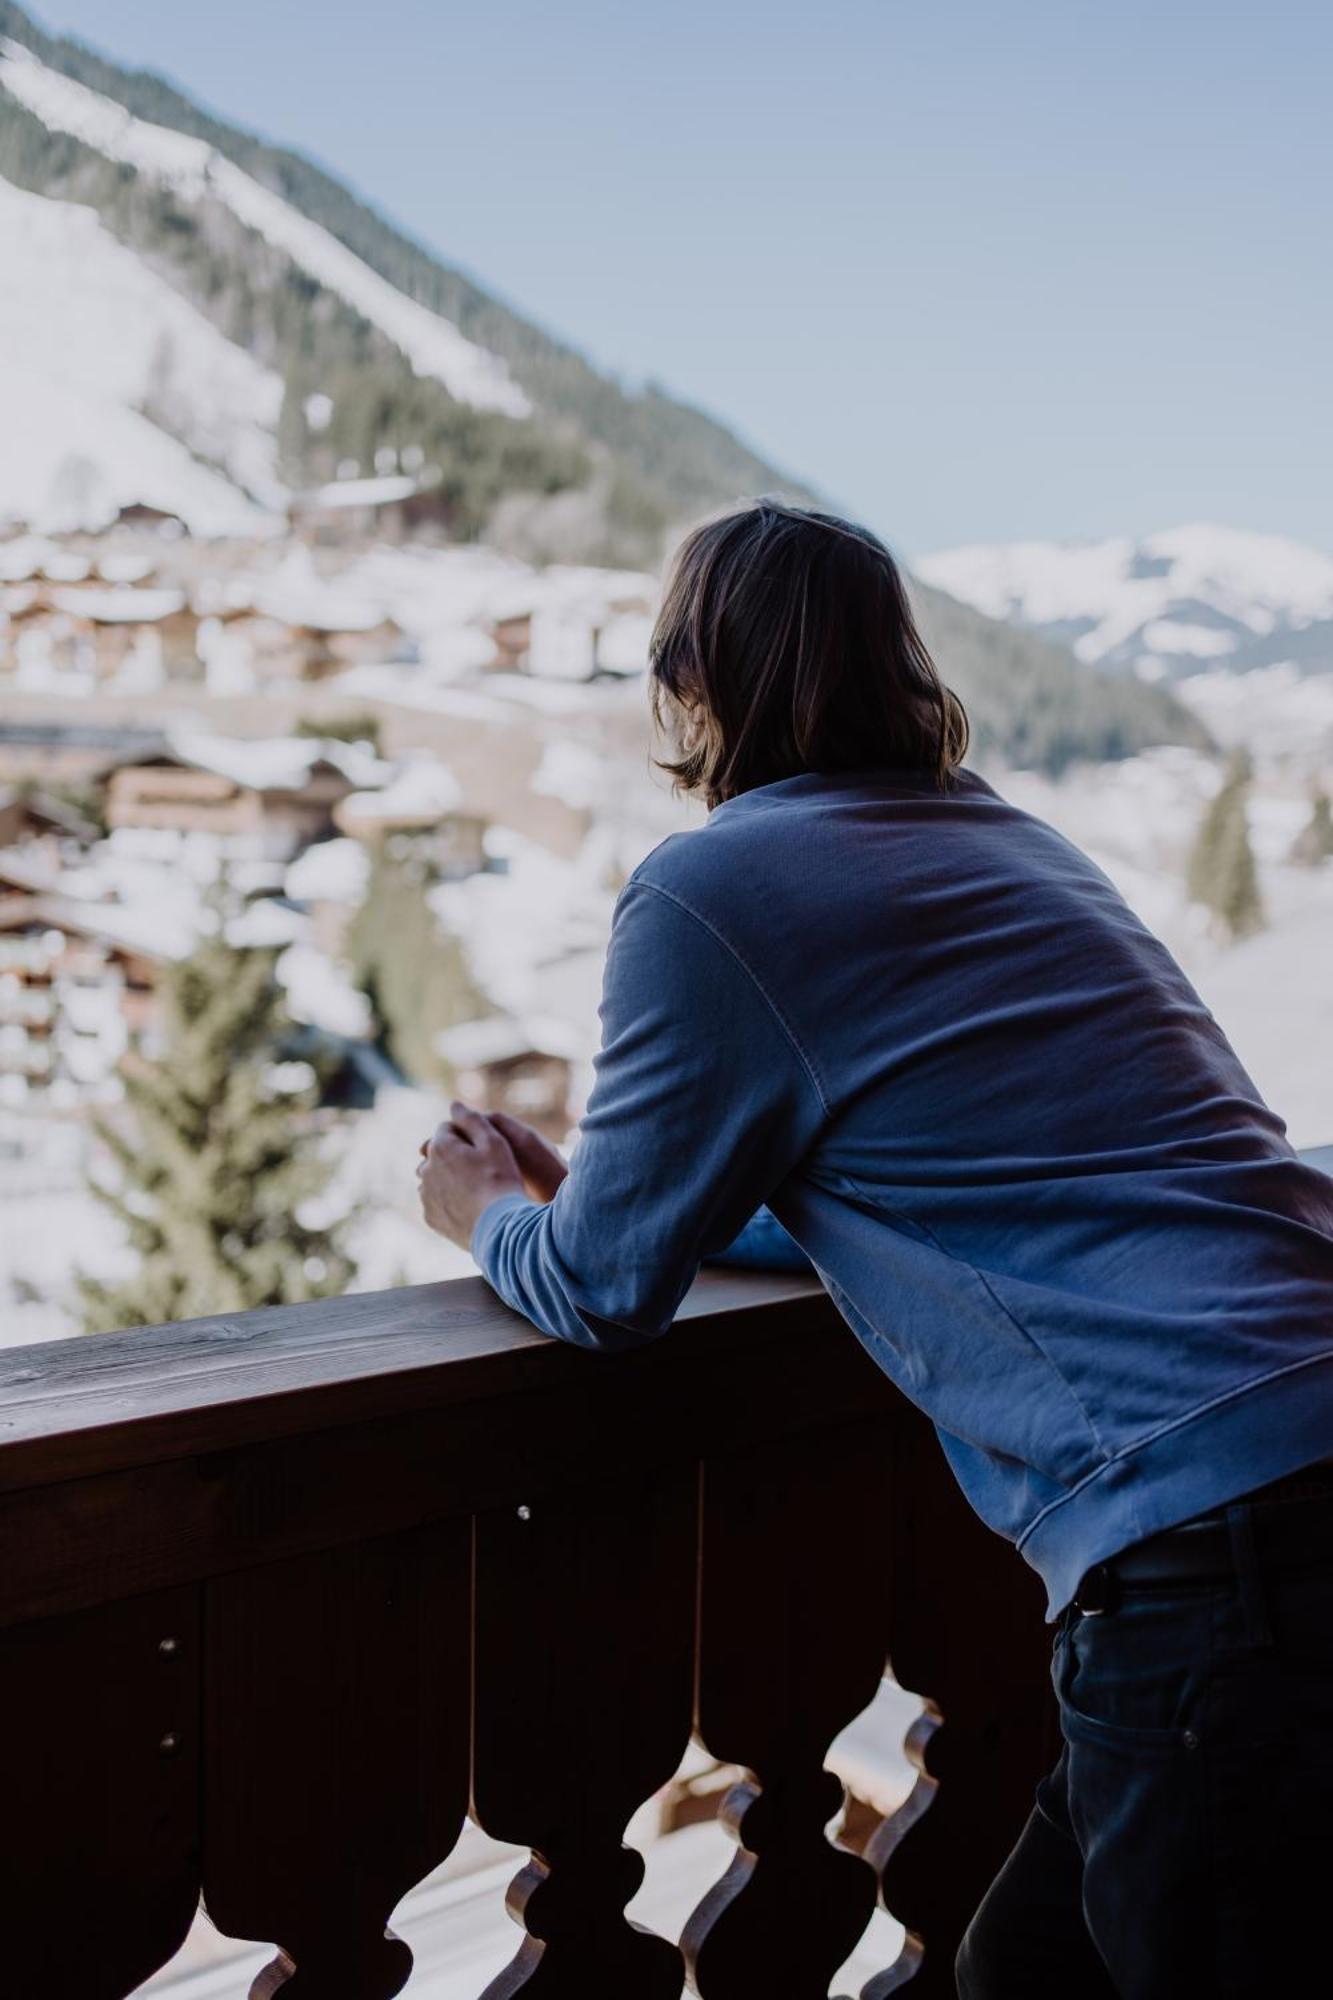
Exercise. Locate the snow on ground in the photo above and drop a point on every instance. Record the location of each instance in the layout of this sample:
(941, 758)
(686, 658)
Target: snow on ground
(521, 923)
(461, 1936)
(322, 994)
(194, 170)
(54, 1228)
(376, 1181)
(423, 790)
(572, 772)
(330, 871)
(1272, 712)
(90, 338)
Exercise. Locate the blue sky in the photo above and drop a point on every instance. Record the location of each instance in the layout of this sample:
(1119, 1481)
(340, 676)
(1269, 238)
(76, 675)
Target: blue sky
(978, 271)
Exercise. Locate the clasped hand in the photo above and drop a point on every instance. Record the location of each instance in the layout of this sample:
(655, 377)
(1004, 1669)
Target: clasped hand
(471, 1159)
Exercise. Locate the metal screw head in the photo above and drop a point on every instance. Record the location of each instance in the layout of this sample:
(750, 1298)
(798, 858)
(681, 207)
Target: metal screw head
(170, 1744)
(1190, 1740)
(168, 1647)
(525, 1512)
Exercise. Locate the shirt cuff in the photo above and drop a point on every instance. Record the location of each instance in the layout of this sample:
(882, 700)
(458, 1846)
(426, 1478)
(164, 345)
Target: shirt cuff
(491, 1221)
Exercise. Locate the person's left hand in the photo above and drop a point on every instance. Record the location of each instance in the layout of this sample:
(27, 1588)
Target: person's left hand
(465, 1164)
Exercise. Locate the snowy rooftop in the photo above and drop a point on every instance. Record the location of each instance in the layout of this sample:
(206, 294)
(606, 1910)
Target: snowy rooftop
(120, 605)
(277, 763)
(322, 994)
(379, 492)
(308, 601)
(157, 931)
(501, 1037)
(420, 792)
(332, 871)
(265, 925)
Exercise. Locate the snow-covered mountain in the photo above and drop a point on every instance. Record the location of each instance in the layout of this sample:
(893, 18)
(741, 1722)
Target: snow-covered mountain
(195, 320)
(115, 390)
(194, 171)
(191, 317)
(1187, 601)
(114, 387)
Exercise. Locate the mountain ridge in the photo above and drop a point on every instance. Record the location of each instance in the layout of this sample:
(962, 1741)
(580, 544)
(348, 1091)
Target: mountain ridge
(344, 319)
(657, 459)
(1166, 605)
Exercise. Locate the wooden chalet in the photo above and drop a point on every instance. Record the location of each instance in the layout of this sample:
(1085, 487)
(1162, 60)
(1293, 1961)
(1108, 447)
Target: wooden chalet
(79, 985)
(423, 802)
(104, 633)
(270, 797)
(524, 1067)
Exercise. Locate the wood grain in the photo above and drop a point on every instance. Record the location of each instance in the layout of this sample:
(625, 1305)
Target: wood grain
(99, 1833)
(584, 1679)
(320, 1508)
(967, 1633)
(71, 1408)
(336, 1752)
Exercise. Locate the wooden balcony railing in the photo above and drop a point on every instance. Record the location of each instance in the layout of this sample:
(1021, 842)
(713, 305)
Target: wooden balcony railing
(285, 1596)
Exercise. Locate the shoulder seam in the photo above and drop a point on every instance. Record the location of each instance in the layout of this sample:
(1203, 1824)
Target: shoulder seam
(805, 1061)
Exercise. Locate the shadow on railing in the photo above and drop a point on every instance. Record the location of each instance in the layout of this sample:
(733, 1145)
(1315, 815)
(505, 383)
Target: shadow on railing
(284, 1596)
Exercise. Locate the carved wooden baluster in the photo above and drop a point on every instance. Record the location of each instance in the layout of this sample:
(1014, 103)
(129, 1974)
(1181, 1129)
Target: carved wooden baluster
(336, 1743)
(967, 1628)
(99, 1796)
(584, 1660)
(793, 1636)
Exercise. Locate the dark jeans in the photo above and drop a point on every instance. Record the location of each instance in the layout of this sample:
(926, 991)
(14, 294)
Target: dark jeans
(1182, 1849)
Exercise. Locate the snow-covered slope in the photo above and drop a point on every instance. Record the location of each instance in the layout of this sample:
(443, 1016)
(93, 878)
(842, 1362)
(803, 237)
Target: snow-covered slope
(194, 170)
(1182, 602)
(93, 346)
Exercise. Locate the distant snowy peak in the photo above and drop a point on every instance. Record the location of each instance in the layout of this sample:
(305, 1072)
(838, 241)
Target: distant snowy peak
(195, 171)
(1174, 603)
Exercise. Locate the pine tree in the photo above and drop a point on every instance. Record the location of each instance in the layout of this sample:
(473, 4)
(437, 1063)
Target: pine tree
(1313, 845)
(213, 1159)
(1222, 874)
(413, 972)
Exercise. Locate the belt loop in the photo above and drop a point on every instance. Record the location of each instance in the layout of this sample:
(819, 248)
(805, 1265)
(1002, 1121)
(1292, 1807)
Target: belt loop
(1249, 1574)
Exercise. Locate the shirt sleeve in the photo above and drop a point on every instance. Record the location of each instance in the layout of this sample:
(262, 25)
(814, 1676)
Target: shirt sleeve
(702, 1103)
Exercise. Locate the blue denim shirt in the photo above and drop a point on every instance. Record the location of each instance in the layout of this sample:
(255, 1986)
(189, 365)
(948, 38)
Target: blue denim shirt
(927, 1033)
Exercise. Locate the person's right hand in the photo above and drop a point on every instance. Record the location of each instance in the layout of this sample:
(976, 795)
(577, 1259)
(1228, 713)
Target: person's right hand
(540, 1164)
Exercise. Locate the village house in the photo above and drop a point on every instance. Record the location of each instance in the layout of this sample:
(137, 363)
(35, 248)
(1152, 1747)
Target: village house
(264, 799)
(522, 1066)
(104, 635)
(40, 824)
(390, 507)
(78, 988)
(573, 623)
(293, 627)
(44, 751)
(246, 646)
(424, 801)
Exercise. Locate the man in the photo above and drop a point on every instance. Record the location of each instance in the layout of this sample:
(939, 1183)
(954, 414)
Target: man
(926, 1032)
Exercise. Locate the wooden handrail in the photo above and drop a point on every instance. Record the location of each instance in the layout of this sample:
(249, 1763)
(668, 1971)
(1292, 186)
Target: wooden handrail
(72, 1407)
(284, 1594)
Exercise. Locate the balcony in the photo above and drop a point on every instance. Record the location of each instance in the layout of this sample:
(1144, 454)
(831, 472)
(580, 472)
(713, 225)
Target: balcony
(287, 1597)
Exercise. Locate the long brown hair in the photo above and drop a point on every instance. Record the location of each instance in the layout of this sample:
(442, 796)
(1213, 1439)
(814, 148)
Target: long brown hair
(786, 643)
